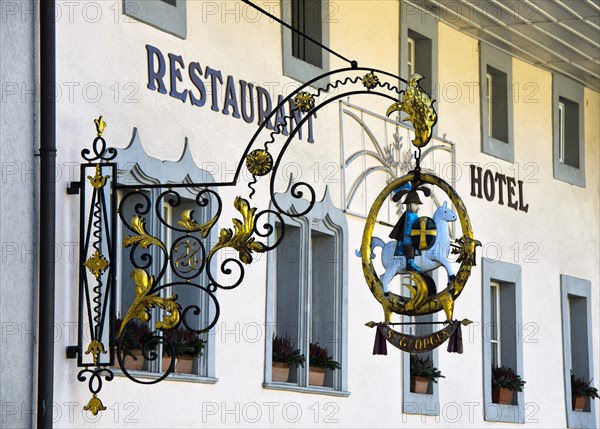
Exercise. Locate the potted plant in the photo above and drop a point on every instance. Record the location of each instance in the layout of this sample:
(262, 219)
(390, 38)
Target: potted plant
(187, 346)
(580, 391)
(422, 373)
(133, 336)
(505, 381)
(320, 361)
(284, 356)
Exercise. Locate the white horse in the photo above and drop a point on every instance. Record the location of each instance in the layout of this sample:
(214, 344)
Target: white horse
(428, 260)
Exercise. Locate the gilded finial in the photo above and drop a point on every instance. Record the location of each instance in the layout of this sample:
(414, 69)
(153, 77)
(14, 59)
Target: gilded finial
(100, 125)
(419, 107)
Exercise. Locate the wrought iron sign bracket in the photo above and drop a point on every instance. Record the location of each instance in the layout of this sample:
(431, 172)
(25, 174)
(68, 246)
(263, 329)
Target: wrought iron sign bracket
(72, 352)
(74, 188)
(189, 259)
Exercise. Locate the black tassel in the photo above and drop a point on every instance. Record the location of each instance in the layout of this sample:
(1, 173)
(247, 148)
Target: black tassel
(380, 346)
(455, 344)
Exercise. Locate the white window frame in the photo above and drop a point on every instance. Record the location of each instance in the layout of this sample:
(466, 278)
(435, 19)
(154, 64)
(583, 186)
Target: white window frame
(490, 104)
(410, 60)
(573, 92)
(324, 216)
(561, 132)
(495, 323)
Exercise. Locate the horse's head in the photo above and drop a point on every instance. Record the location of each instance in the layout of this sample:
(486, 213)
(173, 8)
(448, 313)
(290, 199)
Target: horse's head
(444, 213)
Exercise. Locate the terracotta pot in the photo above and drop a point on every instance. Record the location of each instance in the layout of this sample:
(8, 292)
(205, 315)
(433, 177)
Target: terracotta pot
(184, 364)
(166, 361)
(419, 384)
(131, 364)
(280, 372)
(579, 403)
(502, 395)
(316, 376)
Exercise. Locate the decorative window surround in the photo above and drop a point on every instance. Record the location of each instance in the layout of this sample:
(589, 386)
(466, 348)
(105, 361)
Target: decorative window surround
(166, 15)
(497, 65)
(508, 276)
(573, 287)
(294, 67)
(570, 93)
(136, 167)
(324, 217)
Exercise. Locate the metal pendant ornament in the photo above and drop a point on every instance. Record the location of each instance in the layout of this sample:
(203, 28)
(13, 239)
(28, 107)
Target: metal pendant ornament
(419, 244)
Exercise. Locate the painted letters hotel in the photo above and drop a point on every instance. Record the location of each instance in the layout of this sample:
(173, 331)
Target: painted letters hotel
(186, 186)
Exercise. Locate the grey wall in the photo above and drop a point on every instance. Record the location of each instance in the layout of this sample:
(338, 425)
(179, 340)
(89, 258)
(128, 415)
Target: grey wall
(17, 212)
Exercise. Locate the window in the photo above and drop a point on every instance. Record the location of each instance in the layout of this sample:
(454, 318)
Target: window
(496, 90)
(307, 295)
(496, 103)
(306, 17)
(182, 250)
(303, 60)
(410, 61)
(569, 164)
(502, 319)
(577, 345)
(167, 15)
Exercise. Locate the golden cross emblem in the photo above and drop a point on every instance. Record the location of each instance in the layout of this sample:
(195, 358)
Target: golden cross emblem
(423, 232)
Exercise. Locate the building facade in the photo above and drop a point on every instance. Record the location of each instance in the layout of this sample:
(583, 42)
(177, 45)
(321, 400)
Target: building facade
(185, 85)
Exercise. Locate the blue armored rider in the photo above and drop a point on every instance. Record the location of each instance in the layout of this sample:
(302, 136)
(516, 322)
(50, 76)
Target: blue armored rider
(401, 231)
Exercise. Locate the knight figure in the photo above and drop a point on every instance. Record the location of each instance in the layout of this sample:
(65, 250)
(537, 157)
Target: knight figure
(402, 230)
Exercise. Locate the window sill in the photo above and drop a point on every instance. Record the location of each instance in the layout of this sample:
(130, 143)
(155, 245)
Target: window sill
(306, 389)
(191, 378)
(504, 413)
(498, 148)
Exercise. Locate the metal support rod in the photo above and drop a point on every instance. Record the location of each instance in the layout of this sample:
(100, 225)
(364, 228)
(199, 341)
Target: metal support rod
(420, 323)
(47, 214)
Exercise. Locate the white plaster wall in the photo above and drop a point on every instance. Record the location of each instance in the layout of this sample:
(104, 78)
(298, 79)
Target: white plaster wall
(17, 213)
(108, 52)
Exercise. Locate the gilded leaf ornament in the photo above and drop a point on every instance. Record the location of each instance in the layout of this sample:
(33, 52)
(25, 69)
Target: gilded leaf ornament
(240, 238)
(144, 301)
(100, 125)
(95, 348)
(98, 181)
(144, 239)
(419, 107)
(94, 405)
(187, 221)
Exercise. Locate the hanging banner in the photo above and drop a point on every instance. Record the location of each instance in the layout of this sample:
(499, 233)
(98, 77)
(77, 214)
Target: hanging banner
(418, 343)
